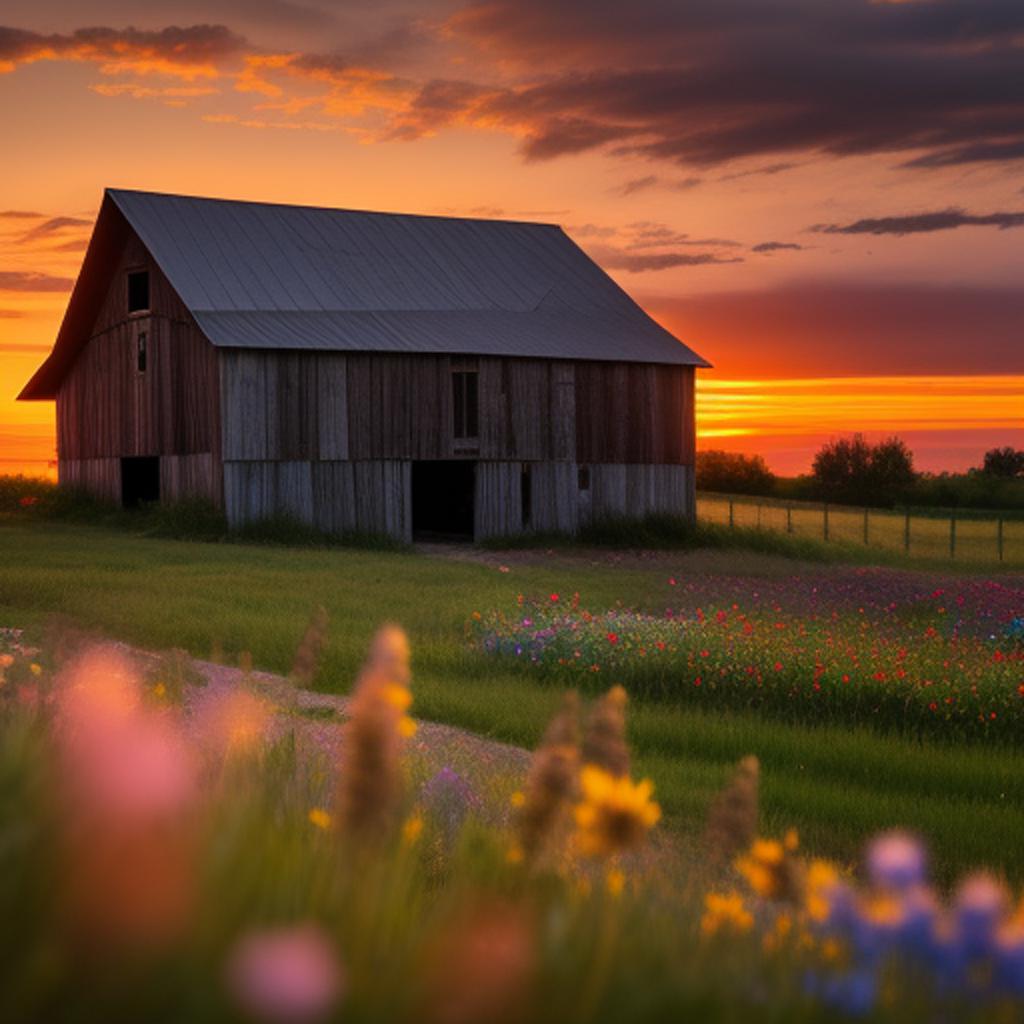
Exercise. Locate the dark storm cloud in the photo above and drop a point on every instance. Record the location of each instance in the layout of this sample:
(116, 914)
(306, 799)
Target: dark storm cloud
(923, 223)
(30, 281)
(184, 47)
(709, 81)
(775, 247)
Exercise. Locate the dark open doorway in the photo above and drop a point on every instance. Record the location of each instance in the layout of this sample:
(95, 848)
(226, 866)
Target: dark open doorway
(140, 480)
(442, 499)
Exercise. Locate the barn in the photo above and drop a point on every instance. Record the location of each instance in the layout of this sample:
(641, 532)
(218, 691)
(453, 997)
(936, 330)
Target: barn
(364, 372)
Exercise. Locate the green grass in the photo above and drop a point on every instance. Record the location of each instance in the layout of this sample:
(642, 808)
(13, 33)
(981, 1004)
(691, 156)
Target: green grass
(835, 785)
(975, 544)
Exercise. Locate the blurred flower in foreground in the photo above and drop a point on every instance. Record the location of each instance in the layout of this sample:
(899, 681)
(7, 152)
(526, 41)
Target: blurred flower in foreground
(732, 821)
(449, 799)
(370, 785)
(896, 861)
(542, 809)
(770, 868)
(234, 723)
(604, 739)
(614, 815)
(127, 794)
(480, 969)
(286, 975)
(725, 912)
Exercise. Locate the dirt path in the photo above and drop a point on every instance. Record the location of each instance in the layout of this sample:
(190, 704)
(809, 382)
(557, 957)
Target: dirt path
(493, 769)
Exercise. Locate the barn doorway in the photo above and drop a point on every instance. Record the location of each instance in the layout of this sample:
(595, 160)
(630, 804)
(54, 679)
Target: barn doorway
(442, 499)
(140, 480)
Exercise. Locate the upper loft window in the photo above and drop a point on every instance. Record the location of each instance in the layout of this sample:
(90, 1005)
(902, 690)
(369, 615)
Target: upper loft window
(138, 291)
(465, 406)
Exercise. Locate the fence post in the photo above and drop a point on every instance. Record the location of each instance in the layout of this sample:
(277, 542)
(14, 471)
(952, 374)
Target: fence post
(952, 535)
(906, 534)
(825, 523)
(865, 527)
(789, 519)
(732, 517)
(759, 515)
(999, 537)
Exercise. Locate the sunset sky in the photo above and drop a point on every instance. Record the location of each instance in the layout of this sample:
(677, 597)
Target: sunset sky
(825, 198)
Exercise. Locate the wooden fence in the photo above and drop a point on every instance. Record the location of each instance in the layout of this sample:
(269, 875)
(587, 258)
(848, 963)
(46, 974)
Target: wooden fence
(936, 534)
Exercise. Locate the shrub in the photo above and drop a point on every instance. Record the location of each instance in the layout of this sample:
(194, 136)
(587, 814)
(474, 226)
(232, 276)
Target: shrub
(733, 473)
(854, 471)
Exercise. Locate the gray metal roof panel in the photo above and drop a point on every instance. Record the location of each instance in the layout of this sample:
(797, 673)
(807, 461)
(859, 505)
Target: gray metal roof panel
(267, 275)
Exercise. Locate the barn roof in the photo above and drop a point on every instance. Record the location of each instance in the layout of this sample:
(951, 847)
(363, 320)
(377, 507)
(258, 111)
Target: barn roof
(269, 276)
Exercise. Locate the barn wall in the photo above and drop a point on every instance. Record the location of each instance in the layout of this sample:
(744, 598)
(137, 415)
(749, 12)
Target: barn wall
(100, 477)
(107, 409)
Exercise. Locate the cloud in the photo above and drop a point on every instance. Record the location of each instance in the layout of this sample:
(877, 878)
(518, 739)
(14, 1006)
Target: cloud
(14, 314)
(197, 51)
(633, 262)
(32, 281)
(20, 215)
(53, 226)
(769, 170)
(775, 246)
(703, 83)
(652, 181)
(922, 223)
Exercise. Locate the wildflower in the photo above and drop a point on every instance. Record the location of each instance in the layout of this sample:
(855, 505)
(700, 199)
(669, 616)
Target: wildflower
(725, 912)
(36, 669)
(770, 870)
(285, 976)
(28, 500)
(160, 691)
(320, 818)
(981, 904)
(820, 880)
(615, 813)
(615, 882)
(412, 828)
(732, 820)
(551, 783)
(604, 740)
(449, 798)
(896, 861)
(371, 778)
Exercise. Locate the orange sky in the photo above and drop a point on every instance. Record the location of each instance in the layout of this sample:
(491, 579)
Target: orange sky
(794, 224)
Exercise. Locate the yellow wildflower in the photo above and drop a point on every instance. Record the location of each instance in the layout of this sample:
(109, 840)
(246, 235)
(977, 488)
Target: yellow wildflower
(160, 691)
(515, 854)
(6, 661)
(725, 912)
(821, 877)
(320, 818)
(615, 813)
(411, 829)
(518, 798)
(398, 696)
(406, 727)
(615, 882)
(770, 868)
(35, 669)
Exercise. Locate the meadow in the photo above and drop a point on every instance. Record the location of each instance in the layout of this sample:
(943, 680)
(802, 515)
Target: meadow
(980, 538)
(836, 776)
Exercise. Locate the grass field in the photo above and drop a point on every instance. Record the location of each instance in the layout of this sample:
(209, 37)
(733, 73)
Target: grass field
(836, 784)
(977, 538)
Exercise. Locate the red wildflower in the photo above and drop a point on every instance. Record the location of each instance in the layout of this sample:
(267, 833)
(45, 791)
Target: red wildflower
(28, 500)
(554, 597)
(613, 638)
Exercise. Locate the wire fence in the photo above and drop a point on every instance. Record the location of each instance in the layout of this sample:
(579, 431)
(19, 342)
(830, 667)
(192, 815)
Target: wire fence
(935, 534)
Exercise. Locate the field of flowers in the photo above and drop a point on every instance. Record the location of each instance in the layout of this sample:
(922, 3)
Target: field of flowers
(939, 662)
(160, 866)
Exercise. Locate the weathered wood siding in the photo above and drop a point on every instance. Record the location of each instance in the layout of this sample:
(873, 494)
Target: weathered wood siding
(373, 496)
(100, 477)
(107, 409)
(498, 501)
(636, 490)
(335, 406)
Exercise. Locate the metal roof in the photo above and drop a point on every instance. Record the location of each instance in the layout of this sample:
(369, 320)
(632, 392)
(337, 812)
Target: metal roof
(262, 275)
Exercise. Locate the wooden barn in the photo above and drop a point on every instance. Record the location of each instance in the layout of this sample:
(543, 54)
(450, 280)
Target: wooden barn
(368, 372)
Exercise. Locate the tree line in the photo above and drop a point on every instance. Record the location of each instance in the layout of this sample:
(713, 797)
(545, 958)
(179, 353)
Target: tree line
(855, 471)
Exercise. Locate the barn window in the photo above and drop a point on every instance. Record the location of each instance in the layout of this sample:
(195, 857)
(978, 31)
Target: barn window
(138, 291)
(140, 352)
(465, 405)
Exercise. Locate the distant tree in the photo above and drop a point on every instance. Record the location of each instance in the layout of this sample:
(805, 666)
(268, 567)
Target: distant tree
(853, 471)
(733, 473)
(1005, 463)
